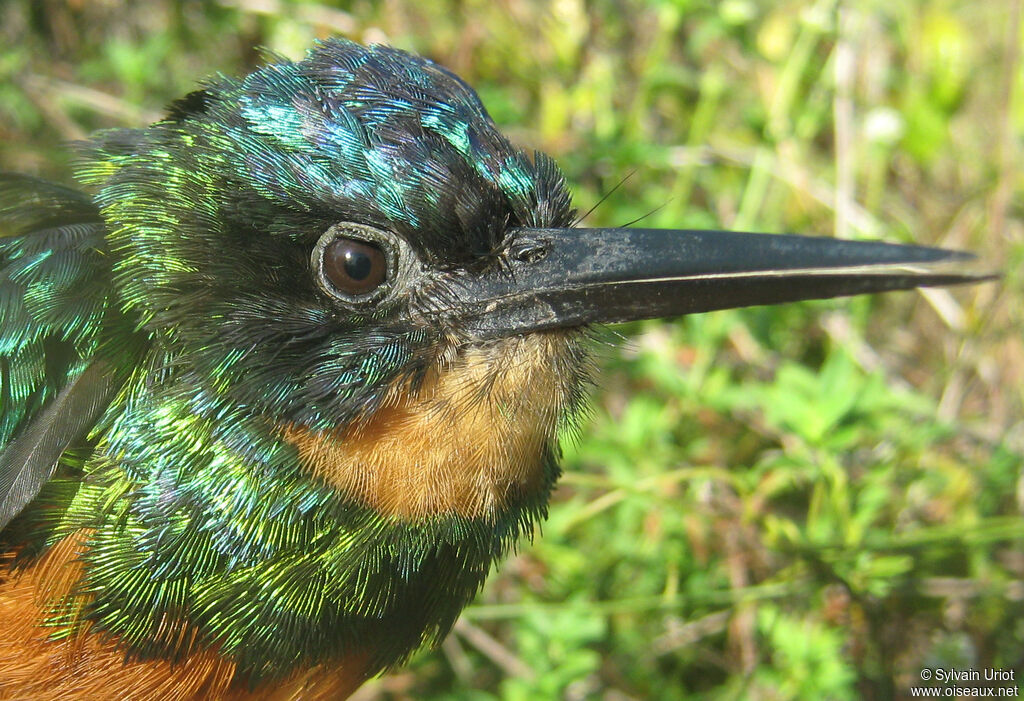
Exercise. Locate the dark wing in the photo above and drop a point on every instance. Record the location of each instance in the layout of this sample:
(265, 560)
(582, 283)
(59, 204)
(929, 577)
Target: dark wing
(55, 302)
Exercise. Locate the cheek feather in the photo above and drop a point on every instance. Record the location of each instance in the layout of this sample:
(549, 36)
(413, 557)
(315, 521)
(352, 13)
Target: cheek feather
(471, 442)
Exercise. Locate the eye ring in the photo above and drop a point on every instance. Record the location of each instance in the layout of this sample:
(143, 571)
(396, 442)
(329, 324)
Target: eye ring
(357, 265)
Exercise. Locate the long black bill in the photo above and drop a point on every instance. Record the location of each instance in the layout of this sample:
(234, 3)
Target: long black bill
(572, 277)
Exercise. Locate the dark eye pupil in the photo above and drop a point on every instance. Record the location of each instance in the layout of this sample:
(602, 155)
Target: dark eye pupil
(358, 265)
(354, 267)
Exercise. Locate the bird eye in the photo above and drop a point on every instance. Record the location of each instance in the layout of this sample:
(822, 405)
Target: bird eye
(361, 266)
(354, 267)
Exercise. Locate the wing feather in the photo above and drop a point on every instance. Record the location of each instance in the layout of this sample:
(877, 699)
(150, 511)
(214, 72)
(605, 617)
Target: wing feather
(29, 461)
(56, 318)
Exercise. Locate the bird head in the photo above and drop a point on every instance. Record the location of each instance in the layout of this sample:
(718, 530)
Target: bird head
(323, 239)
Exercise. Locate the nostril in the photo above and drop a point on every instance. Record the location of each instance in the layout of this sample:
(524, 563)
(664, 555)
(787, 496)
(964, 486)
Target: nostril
(530, 252)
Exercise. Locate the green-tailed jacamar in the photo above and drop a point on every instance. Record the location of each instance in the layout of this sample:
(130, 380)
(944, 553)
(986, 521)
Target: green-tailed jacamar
(279, 394)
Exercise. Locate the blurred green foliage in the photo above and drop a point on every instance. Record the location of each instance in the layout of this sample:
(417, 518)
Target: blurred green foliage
(812, 501)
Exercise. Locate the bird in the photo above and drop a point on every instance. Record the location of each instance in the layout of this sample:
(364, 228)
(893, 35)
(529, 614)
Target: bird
(283, 383)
